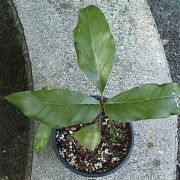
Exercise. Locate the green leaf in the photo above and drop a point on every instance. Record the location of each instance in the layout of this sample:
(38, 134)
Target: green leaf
(148, 101)
(89, 136)
(113, 131)
(94, 46)
(57, 108)
(42, 138)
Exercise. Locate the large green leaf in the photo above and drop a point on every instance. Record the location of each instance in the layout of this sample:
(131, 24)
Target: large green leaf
(56, 108)
(149, 101)
(42, 138)
(89, 136)
(94, 45)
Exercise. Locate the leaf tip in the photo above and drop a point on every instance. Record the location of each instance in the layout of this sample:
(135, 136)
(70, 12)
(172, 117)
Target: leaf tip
(9, 98)
(38, 150)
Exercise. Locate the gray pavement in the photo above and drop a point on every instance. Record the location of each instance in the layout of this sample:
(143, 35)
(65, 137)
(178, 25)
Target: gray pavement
(167, 17)
(140, 58)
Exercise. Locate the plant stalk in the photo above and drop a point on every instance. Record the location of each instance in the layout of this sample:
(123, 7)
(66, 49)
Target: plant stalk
(101, 112)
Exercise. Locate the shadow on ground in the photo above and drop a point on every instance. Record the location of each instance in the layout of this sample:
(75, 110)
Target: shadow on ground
(14, 126)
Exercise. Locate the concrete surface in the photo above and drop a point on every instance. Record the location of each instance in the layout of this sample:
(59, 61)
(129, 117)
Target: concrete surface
(167, 16)
(140, 58)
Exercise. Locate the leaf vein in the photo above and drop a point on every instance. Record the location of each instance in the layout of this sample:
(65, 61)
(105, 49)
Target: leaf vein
(141, 100)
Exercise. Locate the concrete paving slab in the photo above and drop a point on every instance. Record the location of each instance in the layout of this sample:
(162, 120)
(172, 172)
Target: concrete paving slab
(140, 58)
(168, 27)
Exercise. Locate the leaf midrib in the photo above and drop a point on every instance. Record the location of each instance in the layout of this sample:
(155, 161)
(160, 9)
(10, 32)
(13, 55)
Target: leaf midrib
(92, 43)
(141, 100)
(121, 102)
(66, 104)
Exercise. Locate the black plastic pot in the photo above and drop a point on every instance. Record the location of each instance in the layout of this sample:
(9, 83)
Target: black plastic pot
(121, 163)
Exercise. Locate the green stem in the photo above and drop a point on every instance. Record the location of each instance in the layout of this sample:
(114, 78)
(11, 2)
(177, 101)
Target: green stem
(100, 114)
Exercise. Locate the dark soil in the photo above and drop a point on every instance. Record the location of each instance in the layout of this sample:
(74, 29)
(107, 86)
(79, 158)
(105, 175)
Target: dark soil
(107, 156)
(14, 126)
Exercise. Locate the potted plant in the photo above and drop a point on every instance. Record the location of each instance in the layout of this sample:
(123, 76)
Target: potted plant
(93, 135)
